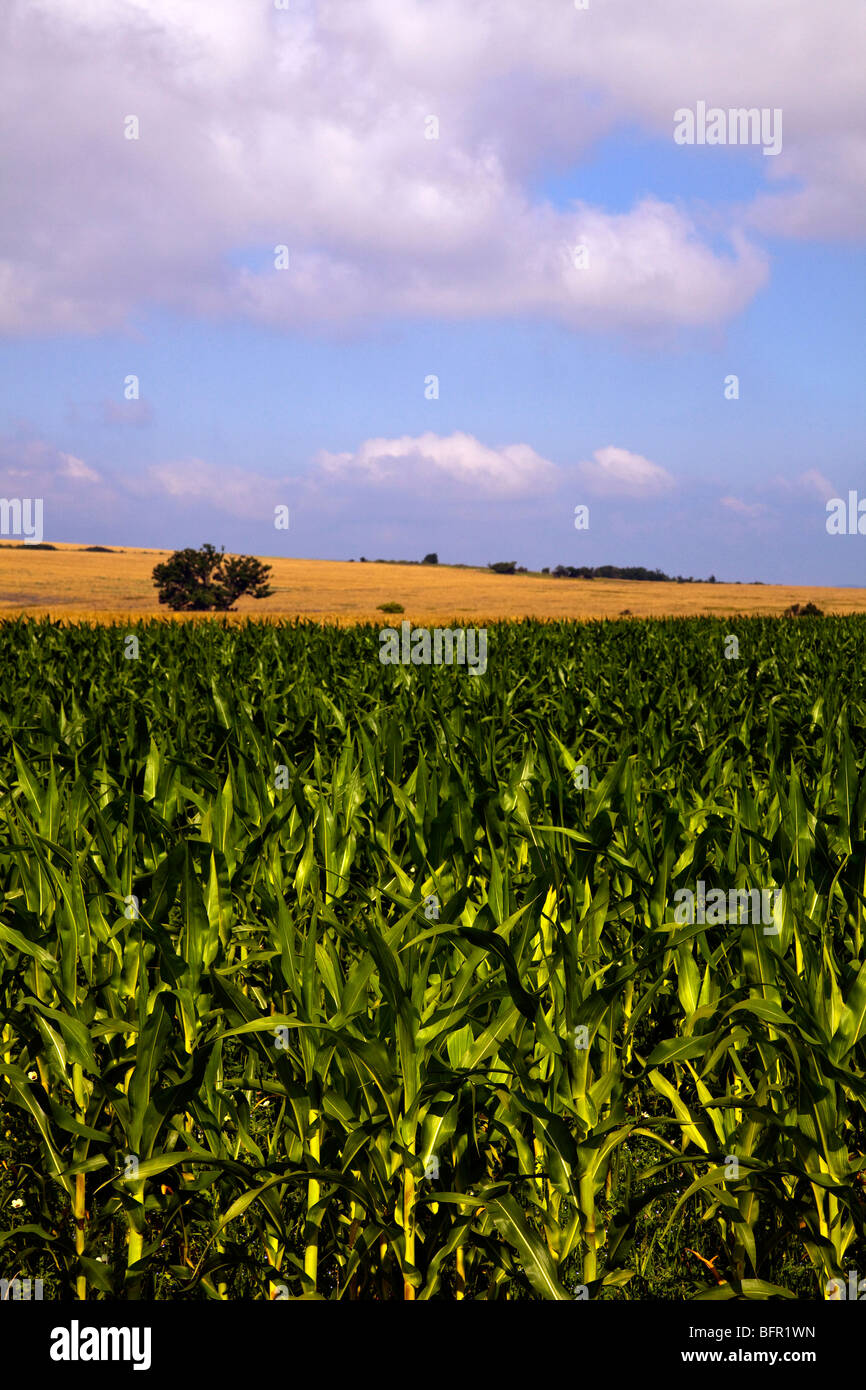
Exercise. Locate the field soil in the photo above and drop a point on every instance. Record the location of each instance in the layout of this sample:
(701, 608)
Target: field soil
(71, 582)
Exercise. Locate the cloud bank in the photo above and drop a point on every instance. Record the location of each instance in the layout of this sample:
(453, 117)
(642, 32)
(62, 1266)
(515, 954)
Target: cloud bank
(308, 127)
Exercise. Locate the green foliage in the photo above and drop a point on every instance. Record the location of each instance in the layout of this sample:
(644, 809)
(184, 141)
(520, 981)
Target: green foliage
(208, 580)
(803, 610)
(320, 976)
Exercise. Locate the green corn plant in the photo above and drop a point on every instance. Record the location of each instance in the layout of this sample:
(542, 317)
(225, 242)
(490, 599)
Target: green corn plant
(323, 979)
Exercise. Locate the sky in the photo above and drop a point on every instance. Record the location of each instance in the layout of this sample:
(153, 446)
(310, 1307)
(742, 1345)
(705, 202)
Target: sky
(433, 273)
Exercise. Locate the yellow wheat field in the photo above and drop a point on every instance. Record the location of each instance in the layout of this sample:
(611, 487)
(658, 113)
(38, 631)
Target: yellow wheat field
(72, 583)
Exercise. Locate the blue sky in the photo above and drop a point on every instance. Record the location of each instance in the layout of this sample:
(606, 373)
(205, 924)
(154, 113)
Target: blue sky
(410, 257)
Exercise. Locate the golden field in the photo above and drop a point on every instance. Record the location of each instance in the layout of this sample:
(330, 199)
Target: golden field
(72, 583)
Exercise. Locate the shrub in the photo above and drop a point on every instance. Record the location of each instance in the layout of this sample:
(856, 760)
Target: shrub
(804, 610)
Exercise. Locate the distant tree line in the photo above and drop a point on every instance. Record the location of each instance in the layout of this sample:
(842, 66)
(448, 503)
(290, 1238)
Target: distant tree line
(431, 559)
(600, 572)
(565, 571)
(624, 572)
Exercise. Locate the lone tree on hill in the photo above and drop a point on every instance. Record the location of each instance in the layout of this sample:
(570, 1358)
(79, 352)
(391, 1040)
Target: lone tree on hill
(208, 580)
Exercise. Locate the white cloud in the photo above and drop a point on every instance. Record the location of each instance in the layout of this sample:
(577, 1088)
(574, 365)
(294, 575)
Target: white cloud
(69, 488)
(810, 483)
(306, 127)
(752, 510)
(431, 462)
(617, 472)
(41, 468)
(76, 468)
(195, 482)
(815, 480)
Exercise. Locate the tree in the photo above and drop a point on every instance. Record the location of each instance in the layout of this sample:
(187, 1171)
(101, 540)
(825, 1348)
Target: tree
(208, 580)
(503, 566)
(431, 559)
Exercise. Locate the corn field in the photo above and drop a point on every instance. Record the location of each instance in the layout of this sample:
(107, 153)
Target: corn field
(326, 979)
